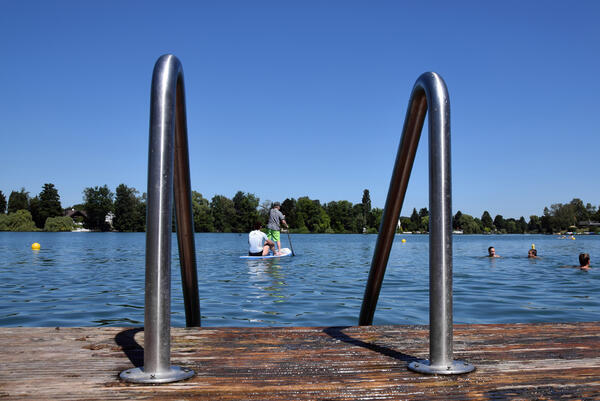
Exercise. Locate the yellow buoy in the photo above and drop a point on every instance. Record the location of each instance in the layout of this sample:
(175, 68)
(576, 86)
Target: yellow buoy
(532, 246)
(403, 240)
(35, 246)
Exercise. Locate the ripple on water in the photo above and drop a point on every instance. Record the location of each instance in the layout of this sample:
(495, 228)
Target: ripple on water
(97, 279)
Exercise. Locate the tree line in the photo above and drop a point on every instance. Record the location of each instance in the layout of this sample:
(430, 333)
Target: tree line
(43, 211)
(125, 211)
(557, 218)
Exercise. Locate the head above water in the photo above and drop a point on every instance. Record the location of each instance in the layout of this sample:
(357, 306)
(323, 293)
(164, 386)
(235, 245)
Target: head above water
(584, 259)
(532, 253)
(491, 251)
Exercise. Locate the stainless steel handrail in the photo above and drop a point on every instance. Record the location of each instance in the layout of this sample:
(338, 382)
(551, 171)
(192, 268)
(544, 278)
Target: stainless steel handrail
(429, 92)
(168, 178)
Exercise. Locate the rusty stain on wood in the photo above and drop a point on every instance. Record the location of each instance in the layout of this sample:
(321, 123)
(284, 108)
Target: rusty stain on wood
(514, 361)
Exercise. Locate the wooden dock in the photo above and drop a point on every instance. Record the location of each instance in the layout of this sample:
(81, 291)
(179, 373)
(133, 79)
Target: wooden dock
(514, 362)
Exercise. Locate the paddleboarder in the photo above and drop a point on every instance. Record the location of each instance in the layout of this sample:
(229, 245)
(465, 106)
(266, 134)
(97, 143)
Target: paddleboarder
(274, 226)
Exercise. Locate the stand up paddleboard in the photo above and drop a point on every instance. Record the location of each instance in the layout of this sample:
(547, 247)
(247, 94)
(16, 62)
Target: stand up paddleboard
(284, 252)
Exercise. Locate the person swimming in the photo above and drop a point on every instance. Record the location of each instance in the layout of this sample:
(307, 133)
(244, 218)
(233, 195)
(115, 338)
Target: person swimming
(532, 254)
(492, 252)
(584, 261)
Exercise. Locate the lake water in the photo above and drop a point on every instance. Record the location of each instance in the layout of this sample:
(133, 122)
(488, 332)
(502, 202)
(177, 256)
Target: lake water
(96, 279)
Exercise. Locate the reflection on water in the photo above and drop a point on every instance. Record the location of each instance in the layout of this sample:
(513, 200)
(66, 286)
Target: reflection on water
(97, 279)
(267, 275)
(266, 278)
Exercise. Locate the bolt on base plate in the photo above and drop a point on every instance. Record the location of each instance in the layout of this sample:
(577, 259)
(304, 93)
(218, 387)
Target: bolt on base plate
(174, 374)
(455, 368)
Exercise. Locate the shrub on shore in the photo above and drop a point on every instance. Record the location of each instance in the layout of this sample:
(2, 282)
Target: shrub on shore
(56, 224)
(20, 220)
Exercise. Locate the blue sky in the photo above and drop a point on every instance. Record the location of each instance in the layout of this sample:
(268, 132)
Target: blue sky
(289, 99)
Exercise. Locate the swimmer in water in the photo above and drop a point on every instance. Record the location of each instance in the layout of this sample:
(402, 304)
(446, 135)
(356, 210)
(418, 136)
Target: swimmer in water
(584, 261)
(492, 252)
(532, 254)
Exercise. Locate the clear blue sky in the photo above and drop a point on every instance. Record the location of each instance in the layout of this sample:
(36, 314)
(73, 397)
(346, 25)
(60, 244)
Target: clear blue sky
(289, 99)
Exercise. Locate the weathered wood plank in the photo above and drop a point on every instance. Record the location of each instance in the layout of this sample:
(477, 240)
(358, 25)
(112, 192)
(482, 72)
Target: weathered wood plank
(517, 361)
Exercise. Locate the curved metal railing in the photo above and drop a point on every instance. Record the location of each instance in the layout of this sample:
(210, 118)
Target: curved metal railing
(429, 92)
(168, 178)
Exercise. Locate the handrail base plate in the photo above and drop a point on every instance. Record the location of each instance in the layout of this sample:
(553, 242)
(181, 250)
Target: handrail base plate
(174, 374)
(455, 368)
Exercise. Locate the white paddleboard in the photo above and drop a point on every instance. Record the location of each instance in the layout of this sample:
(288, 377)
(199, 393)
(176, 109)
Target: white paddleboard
(284, 252)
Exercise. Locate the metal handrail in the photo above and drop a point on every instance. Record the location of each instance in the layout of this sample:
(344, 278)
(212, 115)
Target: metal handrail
(429, 92)
(168, 178)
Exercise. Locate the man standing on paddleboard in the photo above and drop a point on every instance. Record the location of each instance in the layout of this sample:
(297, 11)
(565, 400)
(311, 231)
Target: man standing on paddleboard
(274, 226)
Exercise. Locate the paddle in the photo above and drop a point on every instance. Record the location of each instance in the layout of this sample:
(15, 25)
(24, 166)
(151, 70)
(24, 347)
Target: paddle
(290, 239)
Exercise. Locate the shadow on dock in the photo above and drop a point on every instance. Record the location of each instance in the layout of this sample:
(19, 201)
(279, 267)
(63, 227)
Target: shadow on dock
(126, 340)
(338, 334)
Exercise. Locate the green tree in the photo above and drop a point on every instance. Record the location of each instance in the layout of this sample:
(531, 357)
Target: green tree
(203, 220)
(288, 208)
(469, 225)
(547, 222)
(126, 209)
(359, 218)
(522, 225)
(591, 210)
(510, 226)
(46, 204)
(366, 201)
(423, 220)
(486, 221)
(335, 214)
(245, 211)
(455, 220)
(375, 219)
(34, 209)
(50, 201)
(140, 223)
(98, 202)
(415, 220)
(479, 224)
(312, 216)
(500, 223)
(581, 212)
(2, 203)
(18, 201)
(366, 206)
(596, 216)
(406, 224)
(534, 225)
(563, 217)
(17, 221)
(323, 226)
(55, 224)
(340, 216)
(223, 213)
